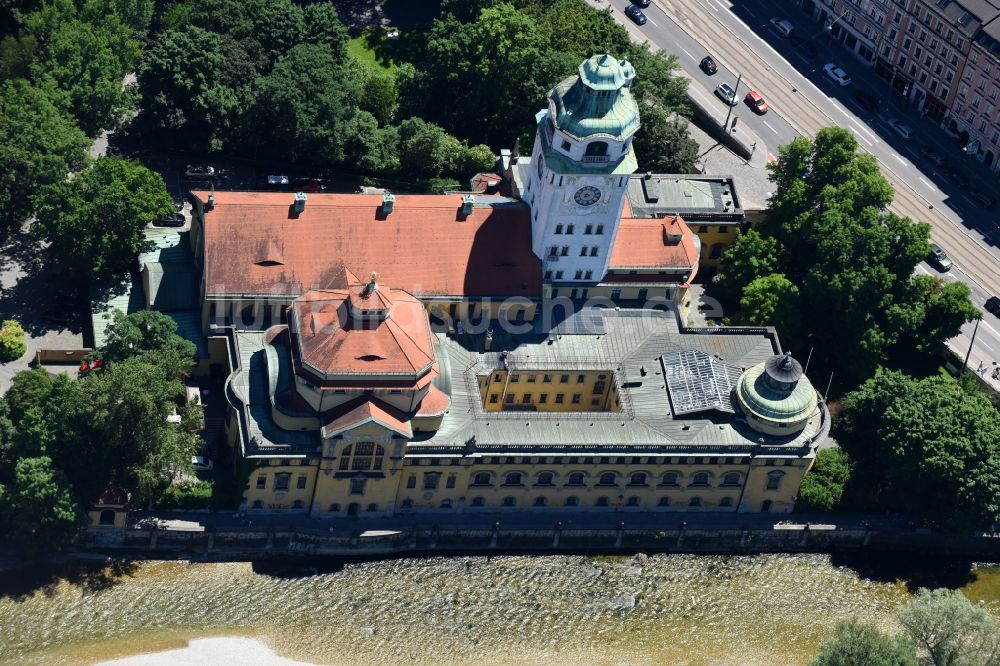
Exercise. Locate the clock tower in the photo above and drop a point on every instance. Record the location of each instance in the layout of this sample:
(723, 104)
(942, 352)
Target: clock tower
(580, 165)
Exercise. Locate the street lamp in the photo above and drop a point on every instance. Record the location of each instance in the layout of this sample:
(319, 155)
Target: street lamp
(736, 95)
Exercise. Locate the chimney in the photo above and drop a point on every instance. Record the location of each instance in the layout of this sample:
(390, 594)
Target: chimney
(468, 201)
(300, 202)
(488, 345)
(387, 201)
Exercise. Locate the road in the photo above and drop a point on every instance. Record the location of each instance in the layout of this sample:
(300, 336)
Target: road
(803, 100)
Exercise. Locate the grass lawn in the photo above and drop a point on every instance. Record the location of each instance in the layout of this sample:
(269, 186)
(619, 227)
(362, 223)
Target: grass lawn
(372, 48)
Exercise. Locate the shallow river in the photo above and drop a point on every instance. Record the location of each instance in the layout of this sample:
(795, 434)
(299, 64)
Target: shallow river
(677, 609)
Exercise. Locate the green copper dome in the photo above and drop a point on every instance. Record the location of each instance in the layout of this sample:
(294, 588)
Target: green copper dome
(777, 391)
(597, 101)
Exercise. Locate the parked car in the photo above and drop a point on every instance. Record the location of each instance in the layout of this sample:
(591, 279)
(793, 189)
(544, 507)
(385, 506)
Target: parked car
(641, 3)
(836, 74)
(202, 464)
(866, 100)
(199, 171)
(935, 158)
(899, 127)
(782, 26)
(983, 199)
(172, 220)
(939, 259)
(754, 100)
(635, 14)
(725, 92)
(708, 65)
(992, 305)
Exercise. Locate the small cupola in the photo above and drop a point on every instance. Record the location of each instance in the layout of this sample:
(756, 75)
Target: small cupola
(468, 203)
(367, 304)
(299, 205)
(388, 200)
(776, 397)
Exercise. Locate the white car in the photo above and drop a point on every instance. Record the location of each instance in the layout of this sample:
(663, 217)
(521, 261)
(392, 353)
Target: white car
(725, 92)
(836, 74)
(201, 463)
(901, 128)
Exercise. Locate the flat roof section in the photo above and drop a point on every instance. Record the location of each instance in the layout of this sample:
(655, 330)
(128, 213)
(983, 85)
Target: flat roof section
(695, 198)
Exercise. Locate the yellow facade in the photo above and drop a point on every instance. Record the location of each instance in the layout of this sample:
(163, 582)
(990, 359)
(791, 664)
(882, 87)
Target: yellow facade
(715, 239)
(549, 391)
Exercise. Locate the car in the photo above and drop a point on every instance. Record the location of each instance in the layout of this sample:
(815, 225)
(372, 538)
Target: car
(782, 26)
(993, 305)
(199, 171)
(807, 48)
(899, 127)
(276, 181)
(172, 220)
(866, 100)
(756, 102)
(935, 158)
(635, 14)
(836, 74)
(641, 3)
(202, 464)
(708, 65)
(983, 199)
(725, 92)
(938, 258)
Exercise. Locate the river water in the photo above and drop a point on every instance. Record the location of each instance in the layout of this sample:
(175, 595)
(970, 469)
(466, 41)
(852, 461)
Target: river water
(678, 609)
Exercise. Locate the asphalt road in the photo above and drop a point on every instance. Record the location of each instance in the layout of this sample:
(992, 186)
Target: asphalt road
(803, 100)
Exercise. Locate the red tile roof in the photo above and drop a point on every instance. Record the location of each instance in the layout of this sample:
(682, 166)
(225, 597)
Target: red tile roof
(644, 243)
(113, 495)
(355, 413)
(256, 244)
(331, 340)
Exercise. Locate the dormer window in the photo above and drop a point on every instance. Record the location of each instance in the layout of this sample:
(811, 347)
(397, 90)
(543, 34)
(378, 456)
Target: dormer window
(566, 145)
(597, 149)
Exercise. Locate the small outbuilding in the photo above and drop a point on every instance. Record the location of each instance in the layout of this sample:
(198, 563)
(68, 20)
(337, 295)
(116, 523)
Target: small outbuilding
(111, 508)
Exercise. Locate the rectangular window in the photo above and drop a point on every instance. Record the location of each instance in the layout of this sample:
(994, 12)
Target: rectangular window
(559, 275)
(300, 483)
(564, 251)
(450, 483)
(526, 399)
(515, 379)
(261, 482)
(564, 379)
(431, 480)
(508, 399)
(581, 379)
(358, 486)
(543, 398)
(723, 230)
(593, 250)
(579, 275)
(576, 398)
(546, 379)
(548, 275)
(588, 275)
(703, 229)
(559, 229)
(411, 482)
(553, 251)
(281, 481)
(494, 398)
(559, 398)
(531, 379)
(589, 229)
(569, 228)
(600, 229)
(583, 251)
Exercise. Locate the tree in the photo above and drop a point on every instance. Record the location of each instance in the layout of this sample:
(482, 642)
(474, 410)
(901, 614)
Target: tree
(12, 344)
(925, 447)
(39, 145)
(475, 159)
(149, 335)
(769, 301)
(40, 511)
(381, 95)
(663, 143)
(948, 630)
(823, 487)
(426, 150)
(752, 255)
(94, 223)
(855, 643)
(323, 26)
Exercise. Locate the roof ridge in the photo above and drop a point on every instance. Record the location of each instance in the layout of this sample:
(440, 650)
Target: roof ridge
(395, 328)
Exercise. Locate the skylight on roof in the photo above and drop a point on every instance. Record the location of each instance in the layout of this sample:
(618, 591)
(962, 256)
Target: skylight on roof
(696, 382)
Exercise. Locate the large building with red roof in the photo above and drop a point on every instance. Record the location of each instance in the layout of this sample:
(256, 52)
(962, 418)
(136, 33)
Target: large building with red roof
(402, 352)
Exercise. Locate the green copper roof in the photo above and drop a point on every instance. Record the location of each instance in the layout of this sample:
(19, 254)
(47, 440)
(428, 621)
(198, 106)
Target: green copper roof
(597, 101)
(763, 397)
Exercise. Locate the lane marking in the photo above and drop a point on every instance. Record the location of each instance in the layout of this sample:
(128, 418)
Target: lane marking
(860, 126)
(652, 21)
(901, 160)
(769, 126)
(861, 137)
(926, 183)
(687, 52)
(985, 345)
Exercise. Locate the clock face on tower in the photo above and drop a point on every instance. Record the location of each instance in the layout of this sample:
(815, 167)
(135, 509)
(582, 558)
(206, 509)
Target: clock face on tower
(587, 195)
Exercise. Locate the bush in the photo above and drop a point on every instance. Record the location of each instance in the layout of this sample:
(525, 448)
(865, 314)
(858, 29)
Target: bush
(187, 495)
(823, 487)
(12, 341)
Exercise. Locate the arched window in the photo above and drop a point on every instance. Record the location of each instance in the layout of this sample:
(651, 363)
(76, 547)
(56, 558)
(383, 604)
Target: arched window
(545, 479)
(446, 504)
(601, 501)
(671, 479)
(607, 479)
(632, 501)
(407, 504)
(371, 508)
(664, 501)
(731, 479)
(597, 148)
(637, 479)
(716, 251)
(107, 517)
(699, 479)
(247, 316)
(694, 501)
(774, 479)
(482, 479)
(572, 501)
(512, 479)
(478, 501)
(362, 457)
(726, 501)
(509, 501)
(575, 479)
(540, 501)
(541, 166)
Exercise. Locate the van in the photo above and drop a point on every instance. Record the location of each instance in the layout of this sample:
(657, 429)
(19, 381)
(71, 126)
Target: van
(782, 26)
